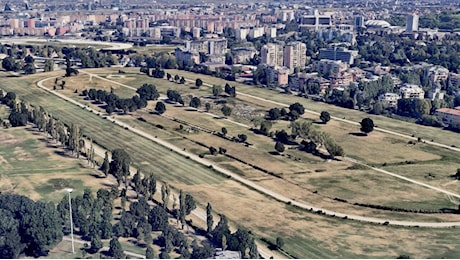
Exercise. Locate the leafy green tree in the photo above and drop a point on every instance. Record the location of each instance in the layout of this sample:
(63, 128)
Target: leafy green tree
(195, 102)
(279, 147)
(96, 244)
(158, 218)
(148, 91)
(149, 253)
(164, 255)
(221, 230)
(160, 107)
(301, 128)
(9, 64)
(216, 90)
(140, 209)
(224, 131)
(10, 242)
(9, 99)
(207, 107)
(240, 241)
(204, 252)
(325, 117)
(279, 242)
(105, 167)
(165, 194)
(119, 166)
(298, 108)
(367, 125)
(49, 66)
(38, 224)
(152, 186)
(265, 127)
(274, 114)
(174, 96)
(137, 183)
(242, 138)
(198, 83)
(212, 150)
(115, 249)
(227, 111)
(209, 218)
(17, 118)
(190, 204)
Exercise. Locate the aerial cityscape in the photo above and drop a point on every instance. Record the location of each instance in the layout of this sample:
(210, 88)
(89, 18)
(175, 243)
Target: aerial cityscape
(230, 129)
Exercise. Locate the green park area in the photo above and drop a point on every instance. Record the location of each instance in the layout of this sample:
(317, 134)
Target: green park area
(339, 184)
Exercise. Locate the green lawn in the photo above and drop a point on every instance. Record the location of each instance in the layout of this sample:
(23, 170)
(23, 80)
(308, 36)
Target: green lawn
(38, 171)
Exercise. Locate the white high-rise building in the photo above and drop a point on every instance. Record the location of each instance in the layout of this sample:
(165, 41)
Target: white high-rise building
(272, 54)
(412, 23)
(295, 55)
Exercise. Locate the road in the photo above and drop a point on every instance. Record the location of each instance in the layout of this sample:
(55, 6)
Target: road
(253, 185)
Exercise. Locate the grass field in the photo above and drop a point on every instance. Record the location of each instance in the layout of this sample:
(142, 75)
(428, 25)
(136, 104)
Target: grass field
(154, 48)
(377, 148)
(33, 167)
(427, 133)
(309, 235)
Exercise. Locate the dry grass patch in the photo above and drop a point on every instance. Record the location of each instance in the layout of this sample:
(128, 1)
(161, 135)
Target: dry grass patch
(34, 168)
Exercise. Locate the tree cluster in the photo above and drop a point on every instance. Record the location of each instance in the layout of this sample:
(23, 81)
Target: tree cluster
(114, 102)
(174, 96)
(231, 91)
(148, 92)
(295, 111)
(242, 240)
(316, 139)
(27, 227)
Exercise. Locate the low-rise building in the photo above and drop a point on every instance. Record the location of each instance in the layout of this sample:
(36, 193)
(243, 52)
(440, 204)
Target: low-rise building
(338, 53)
(241, 55)
(227, 254)
(412, 91)
(437, 74)
(187, 57)
(390, 99)
(436, 93)
(448, 116)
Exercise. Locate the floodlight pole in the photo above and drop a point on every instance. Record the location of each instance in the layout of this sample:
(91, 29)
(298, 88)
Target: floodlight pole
(71, 222)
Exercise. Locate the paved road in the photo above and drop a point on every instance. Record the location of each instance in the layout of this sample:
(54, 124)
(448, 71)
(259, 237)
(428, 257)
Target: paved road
(255, 186)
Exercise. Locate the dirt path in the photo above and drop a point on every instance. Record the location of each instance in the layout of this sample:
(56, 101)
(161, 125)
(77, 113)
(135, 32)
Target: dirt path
(344, 120)
(105, 248)
(255, 186)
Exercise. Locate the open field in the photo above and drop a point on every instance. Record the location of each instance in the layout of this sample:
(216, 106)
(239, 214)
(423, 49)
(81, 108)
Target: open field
(427, 133)
(377, 148)
(154, 48)
(37, 169)
(307, 235)
(282, 166)
(396, 152)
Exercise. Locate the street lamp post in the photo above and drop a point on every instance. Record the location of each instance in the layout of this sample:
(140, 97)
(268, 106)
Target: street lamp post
(71, 222)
